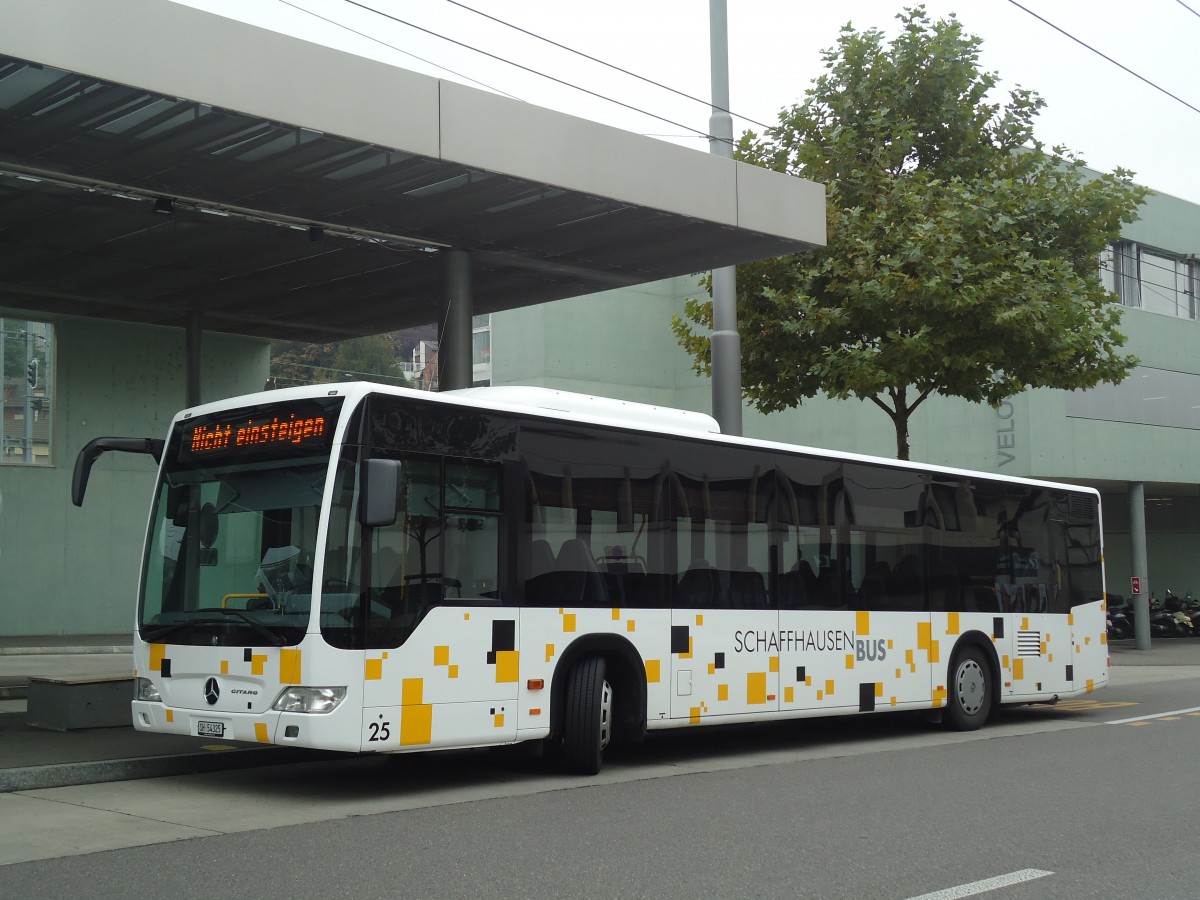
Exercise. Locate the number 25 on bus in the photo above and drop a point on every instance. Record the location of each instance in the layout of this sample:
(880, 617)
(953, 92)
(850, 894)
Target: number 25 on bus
(372, 569)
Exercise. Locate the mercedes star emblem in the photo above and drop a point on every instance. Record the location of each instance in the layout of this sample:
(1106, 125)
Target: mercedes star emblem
(211, 692)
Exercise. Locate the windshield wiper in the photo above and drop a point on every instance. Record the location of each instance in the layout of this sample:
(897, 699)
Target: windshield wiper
(157, 634)
(266, 632)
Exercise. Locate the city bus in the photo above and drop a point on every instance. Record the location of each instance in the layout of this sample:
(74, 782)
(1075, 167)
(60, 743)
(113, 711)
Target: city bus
(371, 569)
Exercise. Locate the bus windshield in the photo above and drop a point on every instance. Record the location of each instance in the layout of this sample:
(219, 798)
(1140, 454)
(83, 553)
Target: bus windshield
(233, 537)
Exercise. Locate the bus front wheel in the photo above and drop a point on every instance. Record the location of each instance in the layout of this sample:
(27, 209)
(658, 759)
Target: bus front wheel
(970, 696)
(587, 722)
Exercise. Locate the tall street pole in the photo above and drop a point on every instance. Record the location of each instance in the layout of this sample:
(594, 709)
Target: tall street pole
(726, 348)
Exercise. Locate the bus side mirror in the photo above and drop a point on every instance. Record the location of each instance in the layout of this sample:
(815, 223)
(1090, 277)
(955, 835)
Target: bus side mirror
(89, 454)
(381, 493)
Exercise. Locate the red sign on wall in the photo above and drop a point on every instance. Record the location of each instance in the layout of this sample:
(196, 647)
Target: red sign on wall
(1135, 586)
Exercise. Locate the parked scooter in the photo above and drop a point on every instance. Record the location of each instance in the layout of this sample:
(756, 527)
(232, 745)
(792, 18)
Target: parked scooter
(1162, 620)
(1120, 623)
(1191, 608)
(1174, 605)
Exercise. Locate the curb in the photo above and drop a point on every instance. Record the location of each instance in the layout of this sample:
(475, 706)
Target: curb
(14, 688)
(32, 778)
(65, 650)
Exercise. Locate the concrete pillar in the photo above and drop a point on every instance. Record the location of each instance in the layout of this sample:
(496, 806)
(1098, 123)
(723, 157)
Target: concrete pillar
(454, 328)
(1140, 568)
(726, 344)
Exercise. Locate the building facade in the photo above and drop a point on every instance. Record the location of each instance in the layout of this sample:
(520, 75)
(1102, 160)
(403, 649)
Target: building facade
(65, 570)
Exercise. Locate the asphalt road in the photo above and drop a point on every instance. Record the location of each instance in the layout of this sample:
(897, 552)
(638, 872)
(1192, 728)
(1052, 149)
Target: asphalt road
(1094, 798)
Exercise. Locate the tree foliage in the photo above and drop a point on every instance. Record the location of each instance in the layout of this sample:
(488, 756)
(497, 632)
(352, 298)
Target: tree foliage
(962, 256)
(370, 358)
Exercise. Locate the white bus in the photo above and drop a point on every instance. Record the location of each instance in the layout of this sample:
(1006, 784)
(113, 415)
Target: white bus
(370, 569)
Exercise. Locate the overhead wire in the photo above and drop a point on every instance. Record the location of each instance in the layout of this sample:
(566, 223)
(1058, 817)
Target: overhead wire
(371, 37)
(1105, 56)
(545, 75)
(602, 62)
(1188, 8)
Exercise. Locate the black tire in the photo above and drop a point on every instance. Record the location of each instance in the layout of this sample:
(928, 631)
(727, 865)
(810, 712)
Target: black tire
(970, 691)
(587, 717)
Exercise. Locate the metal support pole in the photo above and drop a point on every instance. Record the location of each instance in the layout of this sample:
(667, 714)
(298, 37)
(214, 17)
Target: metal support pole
(454, 335)
(1137, 540)
(726, 347)
(27, 442)
(194, 336)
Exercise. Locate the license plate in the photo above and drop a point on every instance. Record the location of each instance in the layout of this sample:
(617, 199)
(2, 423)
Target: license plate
(210, 729)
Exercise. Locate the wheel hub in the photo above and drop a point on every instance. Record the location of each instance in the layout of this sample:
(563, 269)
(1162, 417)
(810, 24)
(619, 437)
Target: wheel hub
(970, 683)
(605, 715)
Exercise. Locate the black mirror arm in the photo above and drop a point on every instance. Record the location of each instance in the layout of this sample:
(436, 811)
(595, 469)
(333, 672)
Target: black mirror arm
(90, 453)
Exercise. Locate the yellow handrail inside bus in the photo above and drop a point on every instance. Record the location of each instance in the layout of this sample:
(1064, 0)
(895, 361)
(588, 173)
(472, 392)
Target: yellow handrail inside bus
(225, 600)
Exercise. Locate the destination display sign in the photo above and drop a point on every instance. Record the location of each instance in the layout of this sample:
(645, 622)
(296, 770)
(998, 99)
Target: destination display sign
(284, 430)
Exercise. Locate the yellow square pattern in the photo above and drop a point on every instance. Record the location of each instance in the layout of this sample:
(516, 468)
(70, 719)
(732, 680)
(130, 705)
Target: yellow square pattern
(756, 687)
(412, 691)
(289, 666)
(416, 723)
(506, 666)
(863, 622)
(653, 671)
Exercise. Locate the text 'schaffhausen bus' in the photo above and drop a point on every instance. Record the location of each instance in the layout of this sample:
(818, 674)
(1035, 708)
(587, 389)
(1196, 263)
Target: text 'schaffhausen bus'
(369, 569)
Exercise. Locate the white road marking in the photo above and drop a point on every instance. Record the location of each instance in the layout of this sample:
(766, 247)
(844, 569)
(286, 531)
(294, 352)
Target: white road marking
(1176, 712)
(987, 884)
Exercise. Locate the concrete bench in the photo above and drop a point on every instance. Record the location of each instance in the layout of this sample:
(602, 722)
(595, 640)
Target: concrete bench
(65, 704)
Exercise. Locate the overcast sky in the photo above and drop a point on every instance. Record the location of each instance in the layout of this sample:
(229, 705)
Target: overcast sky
(1106, 115)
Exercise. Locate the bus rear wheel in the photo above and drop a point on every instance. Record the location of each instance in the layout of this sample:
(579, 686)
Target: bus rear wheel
(970, 700)
(587, 721)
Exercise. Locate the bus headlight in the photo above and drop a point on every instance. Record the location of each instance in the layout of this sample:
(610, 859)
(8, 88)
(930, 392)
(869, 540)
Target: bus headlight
(144, 689)
(309, 699)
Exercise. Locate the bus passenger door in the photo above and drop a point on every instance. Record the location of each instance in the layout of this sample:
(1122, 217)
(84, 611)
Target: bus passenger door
(443, 659)
(452, 684)
(1040, 643)
(723, 662)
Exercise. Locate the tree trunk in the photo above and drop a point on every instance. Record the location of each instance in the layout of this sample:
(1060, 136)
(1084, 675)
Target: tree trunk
(899, 412)
(900, 420)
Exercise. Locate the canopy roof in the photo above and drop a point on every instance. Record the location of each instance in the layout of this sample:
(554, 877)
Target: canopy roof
(288, 190)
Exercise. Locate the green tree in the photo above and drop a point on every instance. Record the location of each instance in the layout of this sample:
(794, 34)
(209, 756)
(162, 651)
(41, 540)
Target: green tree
(370, 358)
(296, 362)
(962, 255)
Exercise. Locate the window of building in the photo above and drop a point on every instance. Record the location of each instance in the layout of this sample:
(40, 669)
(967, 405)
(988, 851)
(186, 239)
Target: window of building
(481, 351)
(1147, 397)
(1154, 280)
(27, 365)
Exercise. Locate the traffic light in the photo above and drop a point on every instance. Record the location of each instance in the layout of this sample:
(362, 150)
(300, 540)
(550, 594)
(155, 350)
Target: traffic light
(31, 373)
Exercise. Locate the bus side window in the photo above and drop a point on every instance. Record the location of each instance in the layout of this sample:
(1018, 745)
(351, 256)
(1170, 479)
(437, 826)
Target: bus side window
(472, 557)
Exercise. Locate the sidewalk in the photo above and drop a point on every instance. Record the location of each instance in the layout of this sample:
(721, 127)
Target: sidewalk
(32, 758)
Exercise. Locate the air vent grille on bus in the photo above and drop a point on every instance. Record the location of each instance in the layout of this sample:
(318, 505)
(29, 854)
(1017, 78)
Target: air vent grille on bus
(1083, 507)
(1029, 643)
